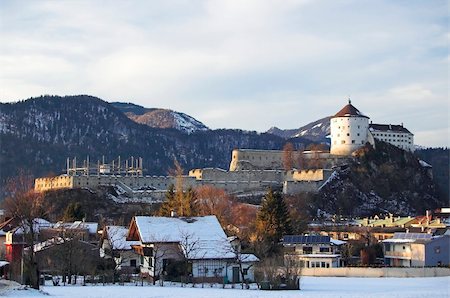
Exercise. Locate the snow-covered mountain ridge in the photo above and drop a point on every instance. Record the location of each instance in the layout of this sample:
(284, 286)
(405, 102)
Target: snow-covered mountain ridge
(161, 118)
(316, 131)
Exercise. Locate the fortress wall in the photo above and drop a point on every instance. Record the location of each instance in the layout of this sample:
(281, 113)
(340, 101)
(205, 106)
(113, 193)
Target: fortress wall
(247, 159)
(210, 174)
(294, 187)
(49, 183)
(241, 186)
(311, 175)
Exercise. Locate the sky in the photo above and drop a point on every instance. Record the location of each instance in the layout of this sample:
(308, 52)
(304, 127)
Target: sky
(248, 64)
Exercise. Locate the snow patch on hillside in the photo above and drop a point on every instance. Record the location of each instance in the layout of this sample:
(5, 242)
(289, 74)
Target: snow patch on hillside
(187, 123)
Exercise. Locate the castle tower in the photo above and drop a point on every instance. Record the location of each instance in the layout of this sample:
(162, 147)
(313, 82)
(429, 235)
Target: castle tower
(349, 130)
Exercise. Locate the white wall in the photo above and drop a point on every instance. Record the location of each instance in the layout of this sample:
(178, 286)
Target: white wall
(348, 134)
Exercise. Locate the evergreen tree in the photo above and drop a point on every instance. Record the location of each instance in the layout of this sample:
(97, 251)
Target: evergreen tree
(73, 212)
(183, 203)
(170, 203)
(272, 222)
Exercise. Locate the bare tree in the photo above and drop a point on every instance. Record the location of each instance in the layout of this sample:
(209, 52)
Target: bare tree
(281, 272)
(25, 204)
(288, 156)
(211, 200)
(239, 259)
(189, 249)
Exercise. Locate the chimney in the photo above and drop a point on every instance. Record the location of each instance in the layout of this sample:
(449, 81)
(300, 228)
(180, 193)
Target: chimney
(428, 215)
(173, 213)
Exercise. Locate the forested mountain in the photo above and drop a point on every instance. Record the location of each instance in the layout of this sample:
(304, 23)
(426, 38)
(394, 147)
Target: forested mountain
(38, 134)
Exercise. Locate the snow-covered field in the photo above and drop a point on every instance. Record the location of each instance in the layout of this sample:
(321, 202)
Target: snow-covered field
(311, 287)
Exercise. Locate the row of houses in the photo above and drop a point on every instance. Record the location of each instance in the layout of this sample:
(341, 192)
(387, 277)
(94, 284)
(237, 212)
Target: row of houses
(197, 248)
(155, 247)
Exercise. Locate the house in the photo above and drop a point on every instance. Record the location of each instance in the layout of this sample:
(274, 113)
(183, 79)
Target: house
(417, 250)
(67, 257)
(85, 231)
(113, 244)
(312, 251)
(170, 245)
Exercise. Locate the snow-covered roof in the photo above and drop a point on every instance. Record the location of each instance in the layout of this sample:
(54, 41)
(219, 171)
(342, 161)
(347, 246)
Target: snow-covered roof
(337, 242)
(92, 227)
(48, 243)
(248, 258)
(391, 240)
(3, 263)
(38, 224)
(205, 231)
(117, 238)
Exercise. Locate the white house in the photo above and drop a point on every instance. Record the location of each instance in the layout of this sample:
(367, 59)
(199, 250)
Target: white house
(313, 251)
(167, 242)
(113, 244)
(417, 249)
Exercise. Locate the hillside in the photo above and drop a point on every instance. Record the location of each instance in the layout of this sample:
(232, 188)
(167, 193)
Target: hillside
(379, 181)
(38, 134)
(160, 118)
(316, 131)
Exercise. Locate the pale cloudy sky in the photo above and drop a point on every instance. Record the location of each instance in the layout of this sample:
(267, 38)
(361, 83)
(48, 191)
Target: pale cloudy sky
(238, 64)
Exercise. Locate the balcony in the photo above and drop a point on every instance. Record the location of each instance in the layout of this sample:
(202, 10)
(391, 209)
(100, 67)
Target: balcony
(398, 255)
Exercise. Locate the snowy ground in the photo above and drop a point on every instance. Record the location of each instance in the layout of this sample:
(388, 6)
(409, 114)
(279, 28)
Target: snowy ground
(311, 287)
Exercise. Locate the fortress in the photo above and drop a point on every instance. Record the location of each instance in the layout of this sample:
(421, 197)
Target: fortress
(250, 172)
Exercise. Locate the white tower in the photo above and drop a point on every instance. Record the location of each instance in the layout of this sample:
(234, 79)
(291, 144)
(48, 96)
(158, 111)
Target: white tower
(349, 130)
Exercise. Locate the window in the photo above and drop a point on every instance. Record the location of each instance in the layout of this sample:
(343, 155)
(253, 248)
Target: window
(343, 142)
(324, 249)
(245, 271)
(345, 236)
(348, 134)
(353, 141)
(307, 249)
(133, 263)
(322, 265)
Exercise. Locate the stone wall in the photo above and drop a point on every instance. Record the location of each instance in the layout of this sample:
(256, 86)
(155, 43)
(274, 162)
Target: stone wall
(377, 272)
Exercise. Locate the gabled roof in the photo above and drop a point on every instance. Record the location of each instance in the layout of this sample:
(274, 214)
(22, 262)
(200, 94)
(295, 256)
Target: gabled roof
(388, 128)
(205, 231)
(408, 237)
(117, 238)
(349, 111)
(92, 227)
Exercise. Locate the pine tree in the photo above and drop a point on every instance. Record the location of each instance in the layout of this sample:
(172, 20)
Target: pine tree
(169, 204)
(183, 203)
(272, 222)
(73, 212)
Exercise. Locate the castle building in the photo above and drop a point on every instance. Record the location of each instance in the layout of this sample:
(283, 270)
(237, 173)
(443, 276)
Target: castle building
(349, 130)
(396, 135)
